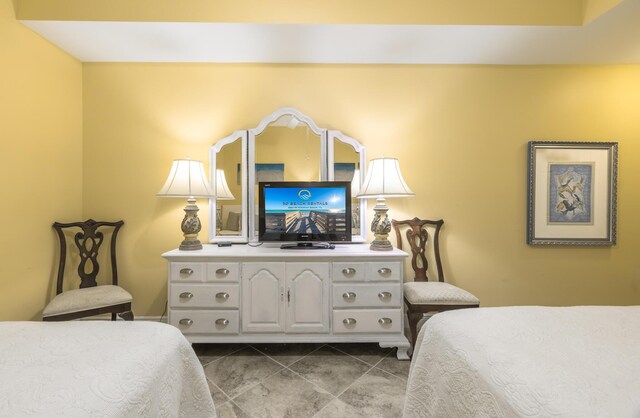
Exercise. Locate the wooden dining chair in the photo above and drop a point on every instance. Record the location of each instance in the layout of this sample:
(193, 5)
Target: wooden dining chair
(90, 299)
(421, 295)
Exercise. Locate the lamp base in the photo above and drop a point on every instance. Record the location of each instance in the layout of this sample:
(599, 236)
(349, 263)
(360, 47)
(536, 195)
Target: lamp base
(190, 245)
(190, 227)
(381, 243)
(380, 226)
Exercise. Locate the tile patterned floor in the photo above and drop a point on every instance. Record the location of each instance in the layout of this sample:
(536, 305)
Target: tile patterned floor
(304, 380)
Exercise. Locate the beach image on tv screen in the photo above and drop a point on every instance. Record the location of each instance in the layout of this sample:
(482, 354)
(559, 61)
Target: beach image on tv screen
(310, 210)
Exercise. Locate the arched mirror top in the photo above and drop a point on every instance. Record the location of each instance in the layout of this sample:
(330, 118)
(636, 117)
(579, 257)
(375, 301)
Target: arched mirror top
(292, 115)
(357, 146)
(237, 135)
(282, 152)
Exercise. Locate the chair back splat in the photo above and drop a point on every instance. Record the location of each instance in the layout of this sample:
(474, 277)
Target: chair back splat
(90, 299)
(418, 237)
(88, 240)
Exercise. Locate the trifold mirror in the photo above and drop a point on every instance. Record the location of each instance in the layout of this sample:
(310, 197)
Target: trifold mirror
(286, 146)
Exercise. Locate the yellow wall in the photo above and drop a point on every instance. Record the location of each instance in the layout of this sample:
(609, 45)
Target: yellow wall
(41, 149)
(460, 133)
(97, 140)
(596, 8)
(435, 12)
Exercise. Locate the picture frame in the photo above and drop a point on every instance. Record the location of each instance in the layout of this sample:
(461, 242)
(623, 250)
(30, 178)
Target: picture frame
(572, 193)
(265, 172)
(269, 172)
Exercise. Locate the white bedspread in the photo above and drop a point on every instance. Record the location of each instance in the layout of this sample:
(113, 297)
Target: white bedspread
(99, 369)
(527, 362)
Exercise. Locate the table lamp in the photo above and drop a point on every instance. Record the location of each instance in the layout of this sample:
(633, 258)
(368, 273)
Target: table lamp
(383, 180)
(355, 182)
(188, 180)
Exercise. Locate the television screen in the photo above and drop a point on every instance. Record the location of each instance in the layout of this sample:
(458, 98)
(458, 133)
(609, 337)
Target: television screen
(305, 211)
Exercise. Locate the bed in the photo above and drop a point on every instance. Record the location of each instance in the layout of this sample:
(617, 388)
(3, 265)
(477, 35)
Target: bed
(99, 369)
(527, 362)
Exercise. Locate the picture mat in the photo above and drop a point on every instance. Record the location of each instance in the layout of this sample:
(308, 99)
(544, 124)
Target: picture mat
(599, 229)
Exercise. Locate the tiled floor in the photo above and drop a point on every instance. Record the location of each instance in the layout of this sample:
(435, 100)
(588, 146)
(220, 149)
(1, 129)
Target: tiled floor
(304, 380)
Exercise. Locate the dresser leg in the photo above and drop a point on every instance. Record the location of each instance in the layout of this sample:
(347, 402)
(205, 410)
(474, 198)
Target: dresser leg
(403, 353)
(403, 348)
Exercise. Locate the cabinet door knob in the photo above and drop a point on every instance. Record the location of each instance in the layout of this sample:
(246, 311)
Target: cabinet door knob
(222, 321)
(384, 321)
(222, 295)
(384, 271)
(222, 272)
(186, 271)
(349, 271)
(349, 296)
(384, 295)
(186, 295)
(186, 321)
(349, 321)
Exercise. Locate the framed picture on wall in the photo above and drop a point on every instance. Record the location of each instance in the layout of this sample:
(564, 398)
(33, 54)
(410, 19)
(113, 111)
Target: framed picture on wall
(269, 172)
(572, 193)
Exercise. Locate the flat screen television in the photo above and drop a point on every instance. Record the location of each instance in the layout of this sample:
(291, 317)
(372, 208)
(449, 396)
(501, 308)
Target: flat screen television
(304, 212)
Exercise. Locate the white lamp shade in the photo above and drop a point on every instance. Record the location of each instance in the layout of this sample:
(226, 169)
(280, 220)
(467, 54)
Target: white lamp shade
(384, 180)
(186, 179)
(355, 183)
(222, 188)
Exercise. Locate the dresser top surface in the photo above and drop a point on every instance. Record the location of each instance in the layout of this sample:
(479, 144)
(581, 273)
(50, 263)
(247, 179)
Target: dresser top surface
(212, 251)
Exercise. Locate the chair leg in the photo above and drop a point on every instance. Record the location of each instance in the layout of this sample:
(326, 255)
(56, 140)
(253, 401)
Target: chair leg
(113, 316)
(127, 316)
(414, 318)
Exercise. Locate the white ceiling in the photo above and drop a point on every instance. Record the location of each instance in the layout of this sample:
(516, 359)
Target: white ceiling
(613, 38)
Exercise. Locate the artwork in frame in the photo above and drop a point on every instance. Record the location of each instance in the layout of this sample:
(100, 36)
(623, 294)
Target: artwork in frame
(343, 171)
(572, 193)
(269, 172)
(266, 172)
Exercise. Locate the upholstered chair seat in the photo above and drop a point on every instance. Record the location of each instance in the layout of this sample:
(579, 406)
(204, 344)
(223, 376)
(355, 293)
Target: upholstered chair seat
(437, 293)
(88, 298)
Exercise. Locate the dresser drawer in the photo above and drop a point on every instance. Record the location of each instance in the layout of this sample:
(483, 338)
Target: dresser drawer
(198, 295)
(205, 322)
(351, 272)
(377, 271)
(223, 272)
(187, 272)
(353, 321)
(374, 295)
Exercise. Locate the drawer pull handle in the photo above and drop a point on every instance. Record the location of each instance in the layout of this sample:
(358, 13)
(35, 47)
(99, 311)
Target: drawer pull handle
(222, 321)
(186, 295)
(222, 295)
(350, 296)
(186, 321)
(384, 295)
(186, 271)
(384, 271)
(349, 271)
(349, 321)
(384, 321)
(222, 272)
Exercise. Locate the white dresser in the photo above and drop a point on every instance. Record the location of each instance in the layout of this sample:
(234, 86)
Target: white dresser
(266, 294)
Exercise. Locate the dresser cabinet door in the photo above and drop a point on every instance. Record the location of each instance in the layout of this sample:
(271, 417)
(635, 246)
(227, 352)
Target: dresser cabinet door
(263, 297)
(307, 297)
